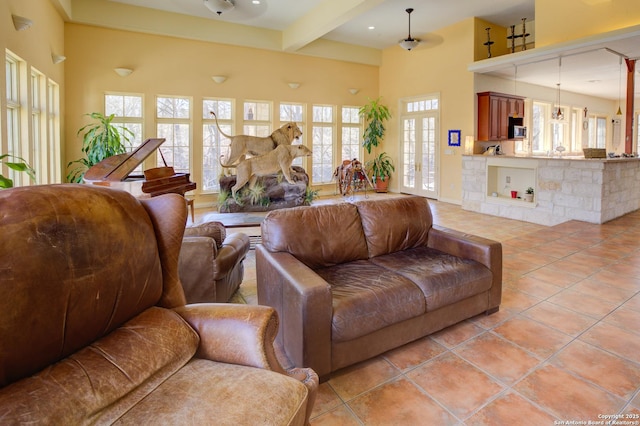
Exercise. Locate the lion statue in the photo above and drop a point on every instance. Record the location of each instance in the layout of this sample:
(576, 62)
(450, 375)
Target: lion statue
(273, 161)
(241, 145)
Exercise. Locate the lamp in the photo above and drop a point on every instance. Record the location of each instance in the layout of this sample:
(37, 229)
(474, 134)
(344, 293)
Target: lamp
(123, 72)
(293, 85)
(219, 6)
(57, 58)
(557, 112)
(21, 23)
(515, 87)
(219, 79)
(409, 42)
(354, 91)
(619, 112)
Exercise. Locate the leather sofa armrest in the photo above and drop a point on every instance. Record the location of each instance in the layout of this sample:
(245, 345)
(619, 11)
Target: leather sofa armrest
(234, 334)
(233, 250)
(215, 230)
(304, 304)
(483, 250)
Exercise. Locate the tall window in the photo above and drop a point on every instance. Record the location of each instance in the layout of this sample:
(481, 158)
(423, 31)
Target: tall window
(127, 110)
(351, 131)
(173, 116)
(53, 131)
(293, 113)
(14, 110)
(549, 132)
(322, 144)
(214, 143)
(39, 151)
(597, 131)
(257, 118)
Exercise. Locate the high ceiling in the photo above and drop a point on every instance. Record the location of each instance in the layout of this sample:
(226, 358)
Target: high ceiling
(380, 24)
(348, 21)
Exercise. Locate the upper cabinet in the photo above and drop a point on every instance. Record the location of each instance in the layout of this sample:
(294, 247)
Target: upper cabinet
(497, 112)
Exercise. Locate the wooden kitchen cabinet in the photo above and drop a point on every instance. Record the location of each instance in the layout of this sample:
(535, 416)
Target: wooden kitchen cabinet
(494, 111)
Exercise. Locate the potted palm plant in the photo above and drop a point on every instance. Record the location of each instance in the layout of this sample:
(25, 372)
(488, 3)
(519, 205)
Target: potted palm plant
(380, 168)
(100, 140)
(374, 114)
(15, 163)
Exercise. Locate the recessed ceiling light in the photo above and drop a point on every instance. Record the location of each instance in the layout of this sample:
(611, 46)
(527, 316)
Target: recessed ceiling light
(256, 2)
(371, 27)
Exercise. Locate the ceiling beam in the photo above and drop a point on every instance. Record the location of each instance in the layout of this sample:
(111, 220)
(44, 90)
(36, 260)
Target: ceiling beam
(327, 16)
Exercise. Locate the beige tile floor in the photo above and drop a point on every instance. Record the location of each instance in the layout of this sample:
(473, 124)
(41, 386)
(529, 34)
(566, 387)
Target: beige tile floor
(565, 345)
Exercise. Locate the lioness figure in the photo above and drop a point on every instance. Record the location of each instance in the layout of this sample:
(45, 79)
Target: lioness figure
(241, 145)
(272, 162)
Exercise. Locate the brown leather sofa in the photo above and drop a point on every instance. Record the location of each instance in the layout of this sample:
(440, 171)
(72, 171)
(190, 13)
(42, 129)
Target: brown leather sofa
(95, 330)
(351, 281)
(211, 264)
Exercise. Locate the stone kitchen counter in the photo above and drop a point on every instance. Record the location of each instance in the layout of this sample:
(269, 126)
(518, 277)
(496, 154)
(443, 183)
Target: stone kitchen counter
(566, 188)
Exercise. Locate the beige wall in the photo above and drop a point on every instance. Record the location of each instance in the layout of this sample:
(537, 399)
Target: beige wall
(561, 21)
(436, 67)
(173, 66)
(34, 46)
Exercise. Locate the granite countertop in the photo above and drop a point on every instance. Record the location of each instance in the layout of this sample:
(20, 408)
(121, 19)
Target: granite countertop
(556, 157)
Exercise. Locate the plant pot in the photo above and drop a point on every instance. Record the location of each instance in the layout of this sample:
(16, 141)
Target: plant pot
(528, 197)
(382, 185)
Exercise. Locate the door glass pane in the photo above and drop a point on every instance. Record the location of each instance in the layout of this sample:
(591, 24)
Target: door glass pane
(409, 152)
(429, 153)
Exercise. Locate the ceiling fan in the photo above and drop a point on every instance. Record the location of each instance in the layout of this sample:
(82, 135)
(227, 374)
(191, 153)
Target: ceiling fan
(238, 9)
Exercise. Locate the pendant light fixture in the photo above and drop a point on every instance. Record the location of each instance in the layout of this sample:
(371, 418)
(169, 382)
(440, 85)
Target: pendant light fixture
(557, 111)
(409, 42)
(619, 112)
(515, 86)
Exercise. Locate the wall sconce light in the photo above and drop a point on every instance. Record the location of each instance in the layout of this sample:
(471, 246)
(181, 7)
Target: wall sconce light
(354, 91)
(21, 23)
(219, 78)
(123, 72)
(57, 58)
(468, 145)
(294, 85)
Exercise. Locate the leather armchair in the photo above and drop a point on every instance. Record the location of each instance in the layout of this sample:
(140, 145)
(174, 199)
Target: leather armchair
(95, 330)
(211, 264)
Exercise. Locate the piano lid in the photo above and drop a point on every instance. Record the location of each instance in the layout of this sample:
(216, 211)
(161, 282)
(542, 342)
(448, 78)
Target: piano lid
(118, 167)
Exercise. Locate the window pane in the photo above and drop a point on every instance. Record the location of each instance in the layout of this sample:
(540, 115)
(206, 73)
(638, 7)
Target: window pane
(173, 108)
(222, 109)
(291, 112)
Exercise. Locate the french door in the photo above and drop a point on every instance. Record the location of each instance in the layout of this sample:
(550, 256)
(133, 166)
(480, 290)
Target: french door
(420, 154)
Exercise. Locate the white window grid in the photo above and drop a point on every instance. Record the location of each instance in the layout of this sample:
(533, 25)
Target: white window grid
(214, 143)
(173, 122)
(323, 142)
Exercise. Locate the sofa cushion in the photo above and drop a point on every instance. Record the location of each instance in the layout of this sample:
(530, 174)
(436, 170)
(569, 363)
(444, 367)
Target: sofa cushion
(444, 279)
(207, 392)
(395, 224)
(105, 379)
(366, 298)
(318, 236)
(70, 251)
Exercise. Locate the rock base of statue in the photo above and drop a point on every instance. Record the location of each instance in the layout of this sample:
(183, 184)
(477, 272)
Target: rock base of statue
(278, 193)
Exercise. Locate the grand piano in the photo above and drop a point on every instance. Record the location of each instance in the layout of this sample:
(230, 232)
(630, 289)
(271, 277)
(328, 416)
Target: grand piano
(115, 172)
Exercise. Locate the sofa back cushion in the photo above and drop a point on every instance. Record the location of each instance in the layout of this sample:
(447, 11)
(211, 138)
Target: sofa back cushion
(395, 224)
(318, 236)
(76, 262)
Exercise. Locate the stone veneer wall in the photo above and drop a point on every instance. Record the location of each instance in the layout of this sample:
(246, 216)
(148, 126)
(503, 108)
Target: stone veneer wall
(591, 190)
